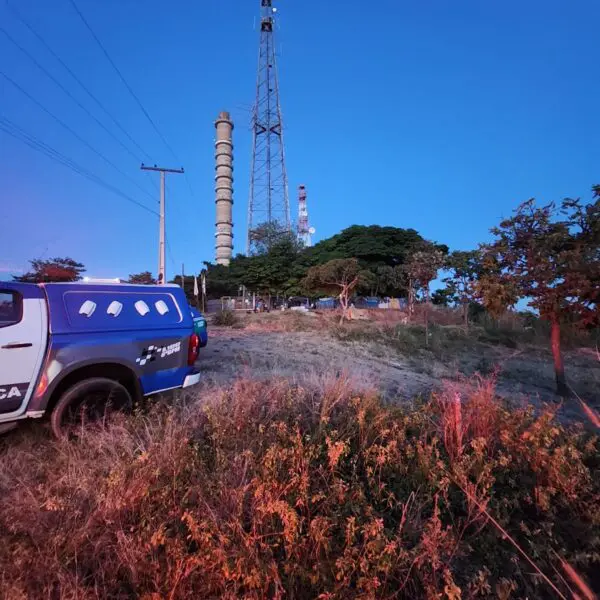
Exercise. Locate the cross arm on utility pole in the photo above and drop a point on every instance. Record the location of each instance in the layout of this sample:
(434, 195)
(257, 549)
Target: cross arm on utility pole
(161, 169)
(161, 236)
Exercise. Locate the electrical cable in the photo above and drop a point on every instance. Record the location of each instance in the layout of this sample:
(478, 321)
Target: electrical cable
(20, 17)
(68, 93)
(170, 255)
(73, 132)
(114, 66)
(36, 144)
(41, 39)
(126, 84)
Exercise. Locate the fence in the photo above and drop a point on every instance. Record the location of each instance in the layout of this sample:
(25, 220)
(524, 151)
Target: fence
(370, 302)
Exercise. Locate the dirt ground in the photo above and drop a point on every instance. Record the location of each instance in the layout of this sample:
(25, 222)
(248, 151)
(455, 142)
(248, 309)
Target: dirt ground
(524, 375)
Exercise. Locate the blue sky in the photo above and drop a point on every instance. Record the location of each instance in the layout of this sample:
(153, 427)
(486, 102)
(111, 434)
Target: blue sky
(438, 115)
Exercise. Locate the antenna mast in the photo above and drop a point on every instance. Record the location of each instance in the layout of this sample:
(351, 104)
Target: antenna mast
(305, 231)
(268, 204)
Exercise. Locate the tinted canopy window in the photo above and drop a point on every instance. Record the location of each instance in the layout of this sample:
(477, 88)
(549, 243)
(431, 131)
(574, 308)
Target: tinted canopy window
(10, 308)
(113, 310)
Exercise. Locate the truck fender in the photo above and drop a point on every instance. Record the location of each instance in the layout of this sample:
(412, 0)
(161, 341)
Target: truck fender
(46, 397)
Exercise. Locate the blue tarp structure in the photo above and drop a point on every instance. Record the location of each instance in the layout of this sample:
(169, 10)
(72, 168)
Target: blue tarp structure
(326, 303)
(370, 302)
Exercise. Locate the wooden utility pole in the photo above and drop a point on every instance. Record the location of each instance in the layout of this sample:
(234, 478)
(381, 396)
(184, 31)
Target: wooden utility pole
(162, 277)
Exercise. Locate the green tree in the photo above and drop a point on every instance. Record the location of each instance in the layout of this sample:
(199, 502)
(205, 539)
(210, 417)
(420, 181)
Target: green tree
(392, 280)
(223, 281)
(267, 235)
(144, 278)
(280, 266)
(372, 246)
(495, 289)
(422, 268)
(444, 296)
(464, 270)
(551, 257)
(272, 273)
(338, 277)
(187, 284)
(55, 269)
(368, 283)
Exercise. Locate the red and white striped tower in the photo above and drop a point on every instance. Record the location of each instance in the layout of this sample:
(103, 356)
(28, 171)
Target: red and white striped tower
(305, 231)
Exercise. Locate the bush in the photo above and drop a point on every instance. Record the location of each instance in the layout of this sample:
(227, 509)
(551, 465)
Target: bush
(267, 490)
(287, 321)
(407, 340)
(226, 318)
(498, 337)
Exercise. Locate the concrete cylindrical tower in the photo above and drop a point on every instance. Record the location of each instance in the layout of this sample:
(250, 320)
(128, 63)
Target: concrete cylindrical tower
(224, 189)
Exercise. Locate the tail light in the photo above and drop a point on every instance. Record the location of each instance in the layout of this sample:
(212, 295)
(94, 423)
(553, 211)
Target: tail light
(193, 349)
(42, 385)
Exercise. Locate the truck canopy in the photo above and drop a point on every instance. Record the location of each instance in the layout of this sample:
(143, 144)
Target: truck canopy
(104, 307)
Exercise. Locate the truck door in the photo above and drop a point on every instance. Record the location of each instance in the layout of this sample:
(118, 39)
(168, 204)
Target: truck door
(23, 331)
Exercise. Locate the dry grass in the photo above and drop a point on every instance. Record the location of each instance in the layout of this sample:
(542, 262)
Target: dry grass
(272, 490)
(286, 322)
(225, 318)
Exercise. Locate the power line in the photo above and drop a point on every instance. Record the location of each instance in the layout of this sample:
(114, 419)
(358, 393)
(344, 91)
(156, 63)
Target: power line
(170, 254)
(66, 91)
(114, 66)
(31, 141)
(19, 16)
(133, 94)
(73, 132)
(36, 144)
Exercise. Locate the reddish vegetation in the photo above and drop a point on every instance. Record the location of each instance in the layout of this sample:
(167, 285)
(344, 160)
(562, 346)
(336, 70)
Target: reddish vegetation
(272, 491)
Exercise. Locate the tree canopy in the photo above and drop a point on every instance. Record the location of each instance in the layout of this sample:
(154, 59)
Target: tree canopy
(549, 256)
(463, 270)
(144, 278)
(371, 245)
(338, 277)
(281, 269)
(54, 269)
(265, 236)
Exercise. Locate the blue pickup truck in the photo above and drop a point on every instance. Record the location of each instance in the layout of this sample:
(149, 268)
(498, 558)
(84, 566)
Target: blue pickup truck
(75, 350)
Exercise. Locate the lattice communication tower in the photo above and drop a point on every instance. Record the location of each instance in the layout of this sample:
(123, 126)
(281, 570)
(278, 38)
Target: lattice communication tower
(268, 203)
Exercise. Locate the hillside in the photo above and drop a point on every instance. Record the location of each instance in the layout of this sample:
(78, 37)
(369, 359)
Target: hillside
(319, 460)
(394, 358)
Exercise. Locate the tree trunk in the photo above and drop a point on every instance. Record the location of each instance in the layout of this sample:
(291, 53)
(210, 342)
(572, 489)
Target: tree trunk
(559, 367)
(466, 314)
(344, 303)
(427, 316)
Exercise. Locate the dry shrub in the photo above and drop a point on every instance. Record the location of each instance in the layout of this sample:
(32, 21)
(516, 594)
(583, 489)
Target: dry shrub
(226, 318)
(438, 315)
(285, 322)
(268, 490)
(387, 316)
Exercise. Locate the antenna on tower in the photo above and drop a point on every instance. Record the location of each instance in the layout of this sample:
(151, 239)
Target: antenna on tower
(268, 203)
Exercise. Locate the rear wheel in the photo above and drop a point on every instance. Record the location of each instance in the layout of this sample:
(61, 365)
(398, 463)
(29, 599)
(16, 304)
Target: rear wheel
(90, 401)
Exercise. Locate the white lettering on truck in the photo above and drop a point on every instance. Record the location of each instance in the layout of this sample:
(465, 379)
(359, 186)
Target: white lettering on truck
(13, 392)
(170, 349)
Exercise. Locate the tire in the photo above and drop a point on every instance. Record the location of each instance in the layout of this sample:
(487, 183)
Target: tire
(88, 401)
